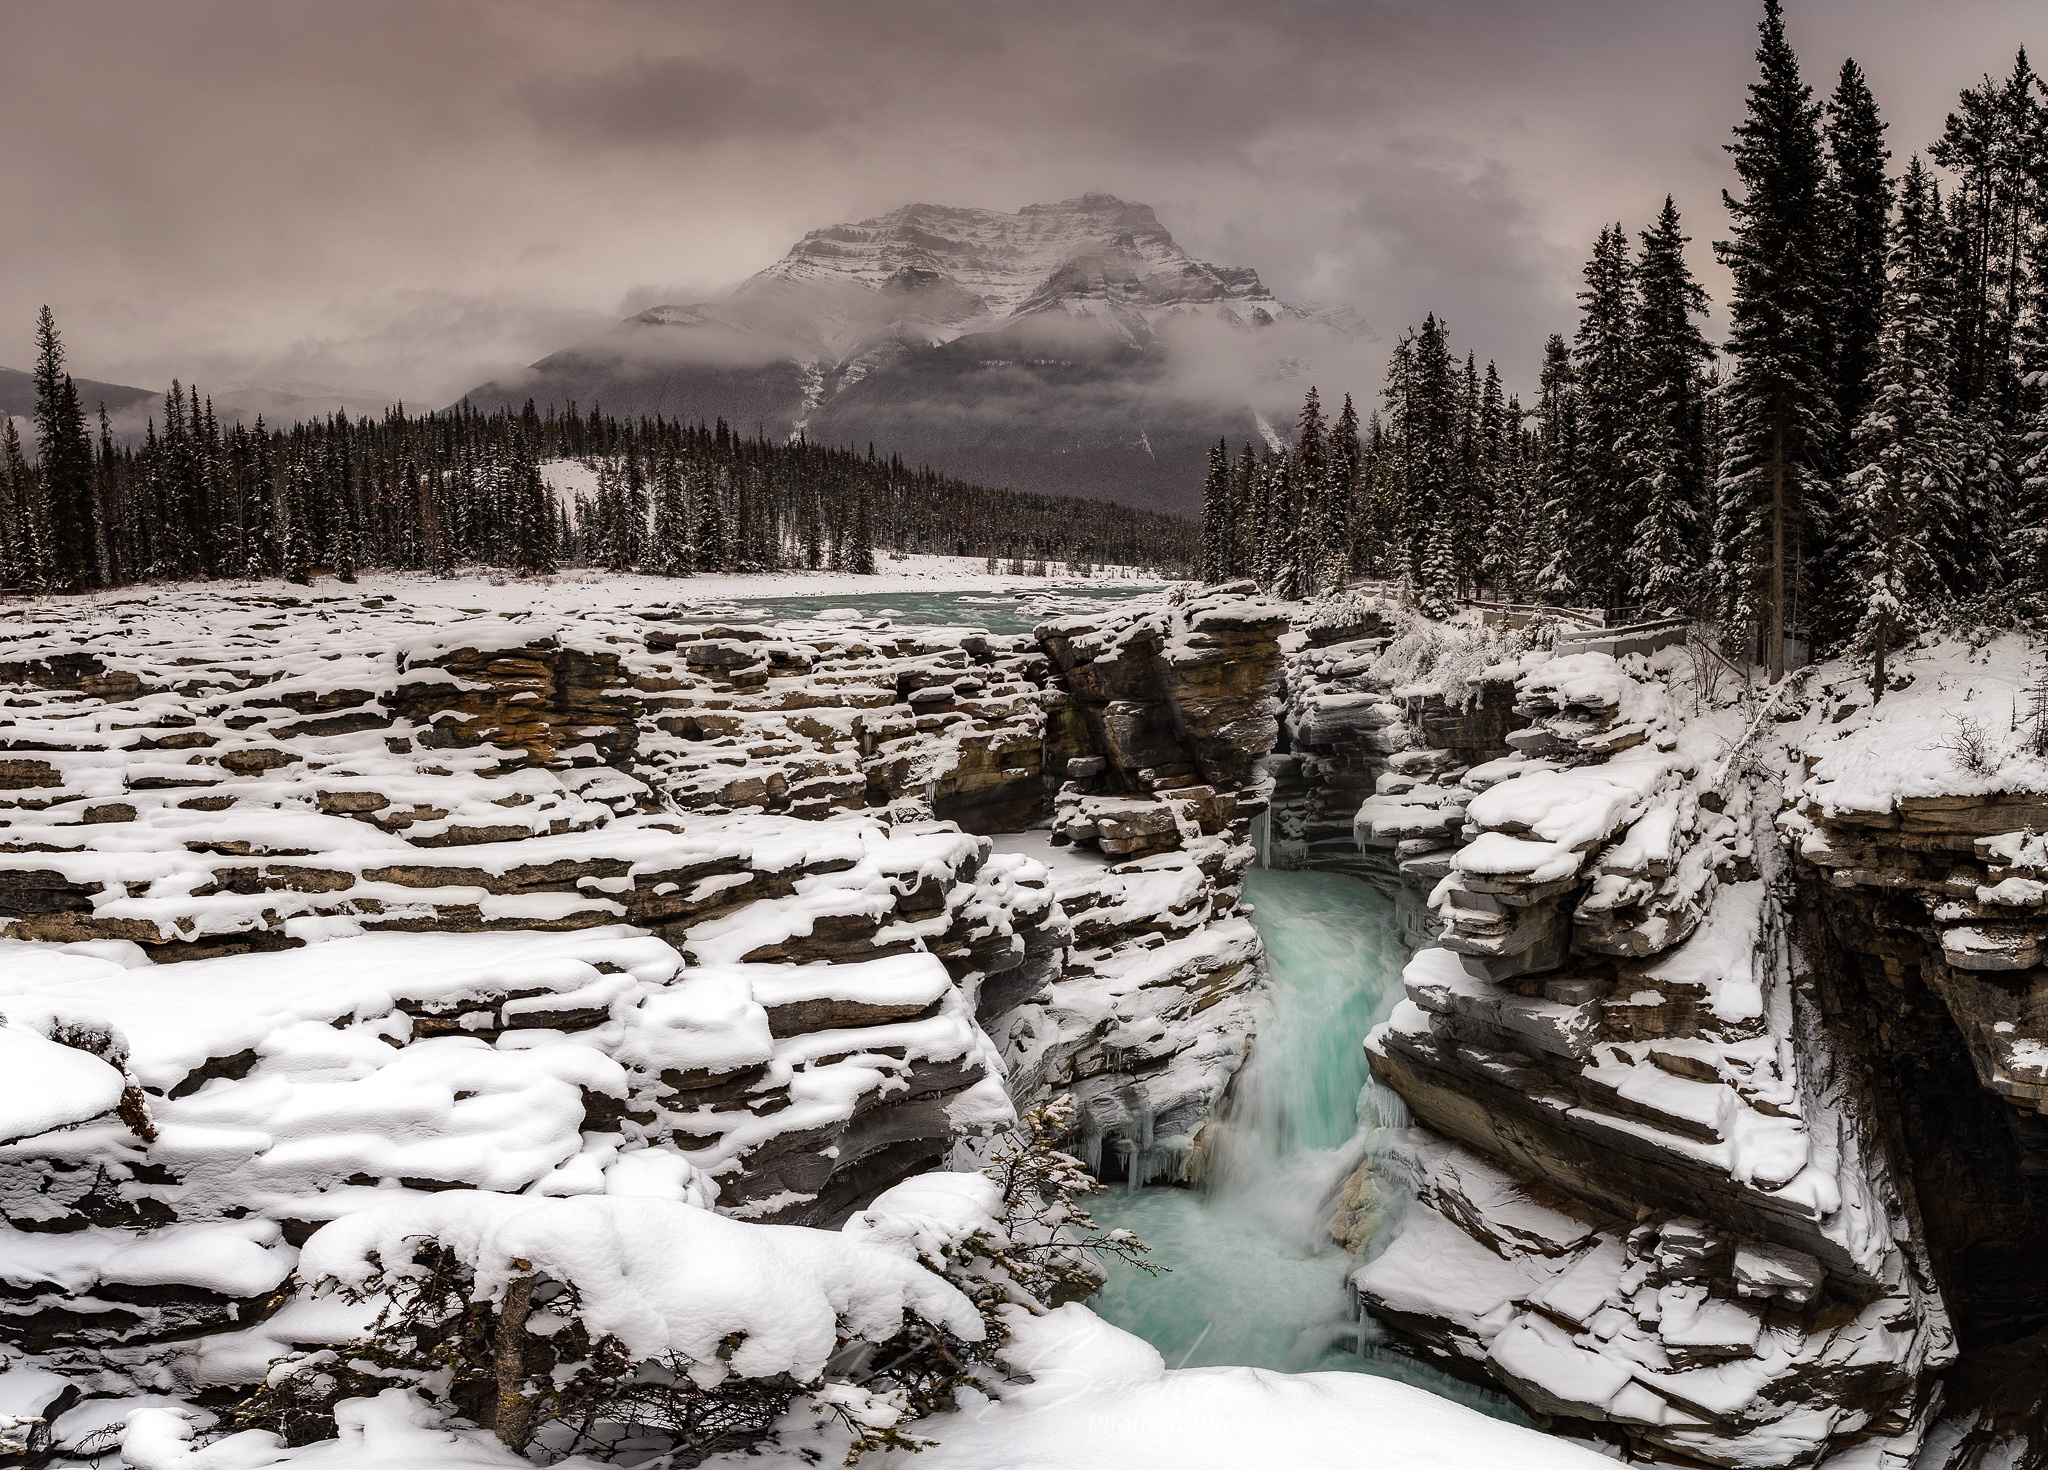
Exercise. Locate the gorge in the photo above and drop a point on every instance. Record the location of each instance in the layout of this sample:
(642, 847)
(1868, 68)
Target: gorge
(1704, 1060)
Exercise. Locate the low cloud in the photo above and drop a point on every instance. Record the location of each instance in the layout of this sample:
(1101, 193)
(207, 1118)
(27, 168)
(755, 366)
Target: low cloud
(666, 100)
(407, 199)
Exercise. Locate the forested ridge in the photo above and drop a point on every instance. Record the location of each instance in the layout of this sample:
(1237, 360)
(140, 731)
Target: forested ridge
(439, 491)
(1866, 451)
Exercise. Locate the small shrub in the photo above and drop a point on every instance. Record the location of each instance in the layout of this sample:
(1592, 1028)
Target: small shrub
(1968, 744)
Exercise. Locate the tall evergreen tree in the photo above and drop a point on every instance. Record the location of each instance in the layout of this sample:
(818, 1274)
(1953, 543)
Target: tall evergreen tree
(1310, 467)
(1779, 400)
(1217, 515)
(1668, 453)
(1337, 508)
(1557, 472)
(1431, 462)
(23, 537)
(1601, 509)
(1861, 195)
(64, 459)
(1908, 445)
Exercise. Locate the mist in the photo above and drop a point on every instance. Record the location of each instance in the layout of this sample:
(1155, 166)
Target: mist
(376, 200)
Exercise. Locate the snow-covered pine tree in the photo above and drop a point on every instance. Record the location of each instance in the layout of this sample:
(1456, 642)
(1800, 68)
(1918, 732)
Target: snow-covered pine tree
(1472, 494)
(1908, 445)
(708, 515)
(1994, 146)
(1218, 514)
(1337, 507)
(1667, 449)
(23, 539)
(64, 463)
(1861, 196)
(671, 549)
(1431, 462)
(1310, 468)
(860, 541)
(1602, 509)
(1400, 533)
(1557, 470)
(2026, 551)
(1778, 404)
(1247, 535)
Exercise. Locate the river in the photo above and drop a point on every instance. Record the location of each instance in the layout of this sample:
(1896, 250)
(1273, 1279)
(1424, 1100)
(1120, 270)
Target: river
(1254, 1278)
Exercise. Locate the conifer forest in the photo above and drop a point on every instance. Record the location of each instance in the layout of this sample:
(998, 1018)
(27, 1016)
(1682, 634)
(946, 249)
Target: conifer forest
(434, 492)
(1864, 453)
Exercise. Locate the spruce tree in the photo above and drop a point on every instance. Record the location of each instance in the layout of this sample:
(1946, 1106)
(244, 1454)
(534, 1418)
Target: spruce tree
(1248, 532)
(1217, 515)
(1310, 467)
(1779, 401)
(1557, 473)
(1861, 195)
(1337, 507)
(64, 460)
(860, 542)
(1994, 146)
(1668, 453)
(23, 537)
(1432, 469)
(1908, 446)
(1602, 509)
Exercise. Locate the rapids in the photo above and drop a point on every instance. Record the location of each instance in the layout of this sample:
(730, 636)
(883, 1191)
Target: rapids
(1255, 1278)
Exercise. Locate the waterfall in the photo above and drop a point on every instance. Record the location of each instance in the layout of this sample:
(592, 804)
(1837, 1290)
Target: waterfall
(1256, 1276)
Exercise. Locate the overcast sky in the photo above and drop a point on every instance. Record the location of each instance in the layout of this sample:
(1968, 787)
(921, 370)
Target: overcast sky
(405, 197)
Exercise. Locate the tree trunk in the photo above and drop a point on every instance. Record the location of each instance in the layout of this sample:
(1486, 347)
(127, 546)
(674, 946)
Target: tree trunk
(513, 1416)
(1774, 655)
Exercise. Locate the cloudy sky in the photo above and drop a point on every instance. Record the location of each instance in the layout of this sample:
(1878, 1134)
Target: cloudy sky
(405, 197)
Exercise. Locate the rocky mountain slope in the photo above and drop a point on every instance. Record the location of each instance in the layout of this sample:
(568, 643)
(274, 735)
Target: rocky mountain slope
(1070, 347)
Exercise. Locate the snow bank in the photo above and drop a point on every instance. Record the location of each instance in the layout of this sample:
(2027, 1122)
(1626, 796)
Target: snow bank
(661, 1276)
(1101, 1399)
(44, 1085)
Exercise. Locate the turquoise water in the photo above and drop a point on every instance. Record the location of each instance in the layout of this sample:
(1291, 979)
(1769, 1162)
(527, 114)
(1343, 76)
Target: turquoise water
(1255, 1278)
(998, 612)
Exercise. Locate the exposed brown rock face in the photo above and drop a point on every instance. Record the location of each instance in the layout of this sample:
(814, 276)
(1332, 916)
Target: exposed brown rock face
(1931, 926)
(1158, 717)
(550, 699)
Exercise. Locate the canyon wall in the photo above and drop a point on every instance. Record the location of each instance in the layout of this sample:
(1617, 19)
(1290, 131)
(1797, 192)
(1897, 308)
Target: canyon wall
(307, 902)
(1719, 1038)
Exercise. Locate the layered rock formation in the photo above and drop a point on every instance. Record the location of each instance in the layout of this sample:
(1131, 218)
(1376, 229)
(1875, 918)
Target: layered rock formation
(1157, 719)
(1653, 1191)
(310, 901)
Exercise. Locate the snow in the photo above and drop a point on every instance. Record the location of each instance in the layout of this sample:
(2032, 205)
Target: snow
(44, 1085)
(397, 1430)
(1100, 1399)
(661, 1276)
(1079, 1395)
(1867, 758)
(1720, 958)
(570, 592)
(238, 1258)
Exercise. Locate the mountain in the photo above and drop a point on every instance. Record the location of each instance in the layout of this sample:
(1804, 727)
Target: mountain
(1070, 347)
(129, 410)
(18, 395)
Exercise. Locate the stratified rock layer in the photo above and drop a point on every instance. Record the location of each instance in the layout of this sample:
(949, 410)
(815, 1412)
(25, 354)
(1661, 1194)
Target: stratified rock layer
(1653, 1196)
